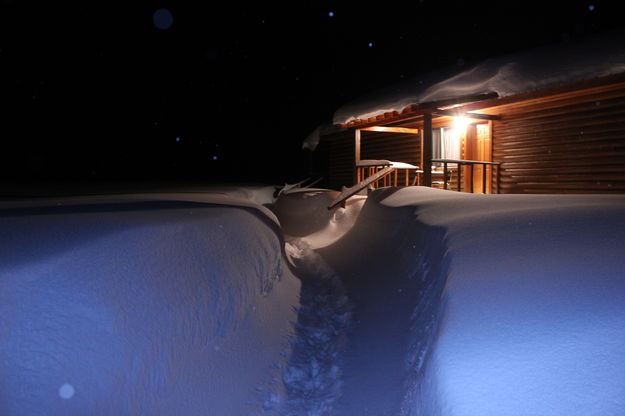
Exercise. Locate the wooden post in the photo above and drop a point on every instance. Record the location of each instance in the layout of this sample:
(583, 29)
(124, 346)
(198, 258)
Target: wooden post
(426, 149)
(489, 156)
(356, 153)
(484, 178)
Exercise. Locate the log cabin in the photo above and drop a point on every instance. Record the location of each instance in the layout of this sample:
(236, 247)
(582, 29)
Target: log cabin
(548, 120)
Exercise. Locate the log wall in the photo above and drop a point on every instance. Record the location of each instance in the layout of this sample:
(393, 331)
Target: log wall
(574, 143)
(571, 142)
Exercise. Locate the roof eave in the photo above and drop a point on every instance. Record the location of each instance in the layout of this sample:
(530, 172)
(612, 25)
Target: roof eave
(480, 101)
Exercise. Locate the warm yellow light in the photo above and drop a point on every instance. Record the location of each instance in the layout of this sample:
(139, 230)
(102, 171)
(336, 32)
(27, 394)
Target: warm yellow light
(461, 123)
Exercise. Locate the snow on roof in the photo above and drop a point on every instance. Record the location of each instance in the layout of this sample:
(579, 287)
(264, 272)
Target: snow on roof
(311, 142)
(521, 72)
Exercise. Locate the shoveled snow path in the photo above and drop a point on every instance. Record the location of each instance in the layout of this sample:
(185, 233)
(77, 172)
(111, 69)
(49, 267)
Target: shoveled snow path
(393, 280)
(313, 378)
(367, 317)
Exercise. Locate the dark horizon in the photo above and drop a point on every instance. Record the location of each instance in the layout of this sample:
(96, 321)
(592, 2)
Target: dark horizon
(165, 91)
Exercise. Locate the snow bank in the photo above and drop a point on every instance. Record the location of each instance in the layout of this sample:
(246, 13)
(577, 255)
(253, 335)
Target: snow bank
(533, 309)
(517, 73)
(484, 304)
(143, 307)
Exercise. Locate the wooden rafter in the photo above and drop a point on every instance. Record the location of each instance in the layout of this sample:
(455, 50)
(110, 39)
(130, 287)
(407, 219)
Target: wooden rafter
(385, 129)
(454, 113)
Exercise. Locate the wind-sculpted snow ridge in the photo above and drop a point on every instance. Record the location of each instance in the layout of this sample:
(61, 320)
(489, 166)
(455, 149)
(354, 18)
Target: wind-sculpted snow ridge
(313, 376)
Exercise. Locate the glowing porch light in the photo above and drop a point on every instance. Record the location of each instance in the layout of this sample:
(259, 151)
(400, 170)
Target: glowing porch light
(460, 123)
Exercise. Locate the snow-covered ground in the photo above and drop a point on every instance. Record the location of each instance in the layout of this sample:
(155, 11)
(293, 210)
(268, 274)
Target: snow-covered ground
(153, 304)
(484, 304)
(410, 302)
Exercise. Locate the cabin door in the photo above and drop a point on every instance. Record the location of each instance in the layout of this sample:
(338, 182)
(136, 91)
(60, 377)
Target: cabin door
(478, 146)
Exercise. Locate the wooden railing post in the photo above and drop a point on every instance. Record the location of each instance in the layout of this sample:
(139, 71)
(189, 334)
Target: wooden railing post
(484, 179)
(427, 149)
(356, 154)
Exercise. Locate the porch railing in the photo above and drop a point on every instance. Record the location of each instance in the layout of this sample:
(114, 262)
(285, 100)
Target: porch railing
(367, 168)
(471, 163)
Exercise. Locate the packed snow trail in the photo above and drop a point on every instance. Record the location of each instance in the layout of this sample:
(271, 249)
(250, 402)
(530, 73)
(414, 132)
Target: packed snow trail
(313, 376)
(371, 293)
(394, 285)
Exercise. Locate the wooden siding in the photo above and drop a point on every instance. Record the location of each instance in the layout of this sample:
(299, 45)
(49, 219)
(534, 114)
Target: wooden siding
(569, 141)
(339, 169)
(391, 146)
(562, 145)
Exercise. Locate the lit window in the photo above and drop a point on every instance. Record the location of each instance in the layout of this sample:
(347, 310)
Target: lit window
(446, 143)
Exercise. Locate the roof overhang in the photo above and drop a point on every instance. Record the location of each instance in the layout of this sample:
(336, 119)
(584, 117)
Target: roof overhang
(471, 103)
(417, 110)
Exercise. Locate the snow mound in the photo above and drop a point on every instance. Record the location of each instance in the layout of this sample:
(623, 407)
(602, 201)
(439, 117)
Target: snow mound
(526, 71)
(150, 307)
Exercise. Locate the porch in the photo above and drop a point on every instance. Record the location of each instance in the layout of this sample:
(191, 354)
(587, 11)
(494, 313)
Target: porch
(453, 152)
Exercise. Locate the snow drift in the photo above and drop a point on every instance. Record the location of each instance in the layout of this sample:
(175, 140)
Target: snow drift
(415, 302)
(143, 307)
(484, 304)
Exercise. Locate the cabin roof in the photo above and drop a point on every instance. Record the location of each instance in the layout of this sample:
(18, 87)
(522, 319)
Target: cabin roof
(505, 76)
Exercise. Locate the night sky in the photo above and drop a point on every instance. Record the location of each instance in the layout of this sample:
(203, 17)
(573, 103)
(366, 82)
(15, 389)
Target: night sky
(168, 91)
